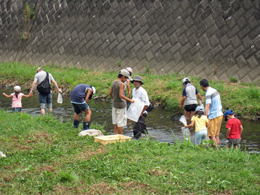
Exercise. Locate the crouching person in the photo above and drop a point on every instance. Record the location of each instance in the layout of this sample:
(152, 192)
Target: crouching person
(79, 99)
(140, 93)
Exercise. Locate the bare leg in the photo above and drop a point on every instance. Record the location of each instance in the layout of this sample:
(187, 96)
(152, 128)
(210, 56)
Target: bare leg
(120, 130)
(50, 110)
(116, 130)
(76, 117)
(191, 114)
(88, 115)
(217, 140)
(186, 114)
(43, 111)
(214, 140)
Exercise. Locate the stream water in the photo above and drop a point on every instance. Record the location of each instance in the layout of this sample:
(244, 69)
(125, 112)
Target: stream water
(158, 122)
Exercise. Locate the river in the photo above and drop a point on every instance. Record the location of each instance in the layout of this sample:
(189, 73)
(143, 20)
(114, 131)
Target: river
(158, 122)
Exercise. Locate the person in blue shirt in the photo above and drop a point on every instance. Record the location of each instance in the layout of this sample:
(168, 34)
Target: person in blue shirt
(79, 99)
(213, 110)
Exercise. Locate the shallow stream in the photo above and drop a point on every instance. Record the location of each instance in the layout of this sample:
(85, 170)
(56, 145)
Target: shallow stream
(158, 122)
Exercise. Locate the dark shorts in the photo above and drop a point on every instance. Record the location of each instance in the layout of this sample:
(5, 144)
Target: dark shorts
(78, 108)
(16, 109)
(190, 108)
(234, 142)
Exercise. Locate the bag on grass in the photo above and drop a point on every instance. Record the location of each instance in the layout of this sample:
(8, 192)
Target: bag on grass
(44, 87)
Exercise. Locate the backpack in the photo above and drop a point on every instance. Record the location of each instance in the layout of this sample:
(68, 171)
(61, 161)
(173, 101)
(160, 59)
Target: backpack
(44, 87)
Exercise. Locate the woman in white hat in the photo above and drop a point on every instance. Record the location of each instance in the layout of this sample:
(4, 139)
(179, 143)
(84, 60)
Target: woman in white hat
(17, 99)
(189, 97)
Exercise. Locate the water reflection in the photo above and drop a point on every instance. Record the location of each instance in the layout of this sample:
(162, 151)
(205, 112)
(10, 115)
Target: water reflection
(158, 122)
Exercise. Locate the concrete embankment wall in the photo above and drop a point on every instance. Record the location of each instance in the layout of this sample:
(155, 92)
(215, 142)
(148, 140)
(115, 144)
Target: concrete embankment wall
(211, 38)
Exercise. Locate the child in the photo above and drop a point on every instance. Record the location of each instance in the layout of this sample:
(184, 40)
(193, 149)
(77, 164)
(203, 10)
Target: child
(234, 129)
(127, 83)
(119, 101)
(17, 99)
(201, 124)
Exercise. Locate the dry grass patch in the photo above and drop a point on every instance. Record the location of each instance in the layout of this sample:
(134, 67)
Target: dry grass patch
(87, 154)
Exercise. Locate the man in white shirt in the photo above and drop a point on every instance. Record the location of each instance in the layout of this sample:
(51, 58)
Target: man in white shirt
(139, 93)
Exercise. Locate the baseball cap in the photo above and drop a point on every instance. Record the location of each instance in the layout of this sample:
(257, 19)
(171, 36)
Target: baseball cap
(228, 112)
(185, 79)
(17, 88)
(199, 108)
(125, 73)
(94, 90)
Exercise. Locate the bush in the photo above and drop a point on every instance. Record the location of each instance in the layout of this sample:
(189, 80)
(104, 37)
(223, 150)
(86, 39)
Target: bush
(233, 79)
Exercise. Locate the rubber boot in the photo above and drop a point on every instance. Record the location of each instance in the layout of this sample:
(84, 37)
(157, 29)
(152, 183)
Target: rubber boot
(86, 125)
(76, 124)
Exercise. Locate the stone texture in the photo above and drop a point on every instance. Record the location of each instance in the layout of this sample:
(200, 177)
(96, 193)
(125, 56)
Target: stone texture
(181, 36)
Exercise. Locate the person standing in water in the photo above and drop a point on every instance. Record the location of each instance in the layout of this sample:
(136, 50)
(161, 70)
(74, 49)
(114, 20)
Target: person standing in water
(139, 93)
(17, 99)
(79, 99)
(119, 101)
(189, 97)
(127, 83)
(44, 98)
(213, 110)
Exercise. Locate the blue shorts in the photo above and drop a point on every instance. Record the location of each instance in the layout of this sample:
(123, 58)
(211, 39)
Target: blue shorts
(78, 108)
(16, 109)
(200, 136)
(45, 99)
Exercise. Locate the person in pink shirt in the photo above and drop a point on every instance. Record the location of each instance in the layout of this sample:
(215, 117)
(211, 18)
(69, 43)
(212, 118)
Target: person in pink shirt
(17, 99)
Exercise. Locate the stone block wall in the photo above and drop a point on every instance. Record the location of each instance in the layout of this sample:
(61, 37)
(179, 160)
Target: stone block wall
(210, 38)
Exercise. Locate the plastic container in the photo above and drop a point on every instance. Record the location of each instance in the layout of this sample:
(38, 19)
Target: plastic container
(110, 139)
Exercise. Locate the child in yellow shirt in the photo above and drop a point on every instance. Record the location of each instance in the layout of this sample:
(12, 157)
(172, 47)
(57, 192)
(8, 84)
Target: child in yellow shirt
(201, 124)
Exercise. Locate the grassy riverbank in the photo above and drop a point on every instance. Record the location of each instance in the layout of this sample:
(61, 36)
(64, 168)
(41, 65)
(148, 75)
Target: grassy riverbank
(242, 98)
(48, 157)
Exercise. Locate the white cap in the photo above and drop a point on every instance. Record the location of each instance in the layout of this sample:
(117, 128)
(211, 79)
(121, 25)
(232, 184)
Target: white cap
(17, 88)
(125, 73)
(94, 90)
(129, 69)
(185, 79)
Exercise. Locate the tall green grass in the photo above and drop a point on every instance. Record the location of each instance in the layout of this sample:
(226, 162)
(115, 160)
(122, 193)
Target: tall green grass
(166, 89)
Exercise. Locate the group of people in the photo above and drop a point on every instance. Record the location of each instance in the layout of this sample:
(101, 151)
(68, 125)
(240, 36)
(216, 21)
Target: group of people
(207, 122)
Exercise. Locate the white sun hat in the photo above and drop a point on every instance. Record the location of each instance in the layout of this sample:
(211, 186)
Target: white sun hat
(17, 88)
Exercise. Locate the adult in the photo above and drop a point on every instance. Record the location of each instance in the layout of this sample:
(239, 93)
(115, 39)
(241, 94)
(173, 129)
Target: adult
(44, 98)
(139, 93)
(189, 94)
(213, 110)
(79, 99)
